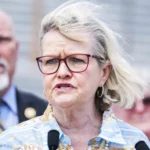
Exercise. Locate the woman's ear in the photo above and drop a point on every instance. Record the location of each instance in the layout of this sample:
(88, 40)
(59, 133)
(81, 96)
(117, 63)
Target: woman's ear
(105, 73)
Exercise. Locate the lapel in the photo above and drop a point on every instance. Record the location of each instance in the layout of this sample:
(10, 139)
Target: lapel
(21, 105)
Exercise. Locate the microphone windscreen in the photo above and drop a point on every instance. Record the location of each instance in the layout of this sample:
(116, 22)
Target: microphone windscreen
(53, 139)
(141, 145)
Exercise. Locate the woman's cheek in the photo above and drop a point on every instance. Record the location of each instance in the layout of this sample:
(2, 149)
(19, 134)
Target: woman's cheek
(47, 89)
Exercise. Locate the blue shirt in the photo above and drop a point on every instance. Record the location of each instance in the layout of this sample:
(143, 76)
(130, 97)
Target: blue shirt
(8, 113)
(114, 134)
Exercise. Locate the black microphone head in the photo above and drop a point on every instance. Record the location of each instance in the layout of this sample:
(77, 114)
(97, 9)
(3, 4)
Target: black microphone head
(53, 139)
(141, 145)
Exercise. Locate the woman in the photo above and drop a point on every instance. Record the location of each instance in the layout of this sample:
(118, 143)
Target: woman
(84, 73)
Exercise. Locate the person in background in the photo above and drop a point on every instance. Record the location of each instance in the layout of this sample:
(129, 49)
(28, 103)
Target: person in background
(138, 115)
(84, 73)
(15, 105)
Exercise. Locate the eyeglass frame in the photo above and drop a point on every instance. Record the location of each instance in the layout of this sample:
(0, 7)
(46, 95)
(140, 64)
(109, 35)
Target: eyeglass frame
(64, 60)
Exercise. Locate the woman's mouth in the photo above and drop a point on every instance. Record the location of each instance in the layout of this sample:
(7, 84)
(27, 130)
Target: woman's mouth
(64, 87)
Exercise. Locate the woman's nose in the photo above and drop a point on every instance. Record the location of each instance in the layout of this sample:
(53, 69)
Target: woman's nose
(63, 71)
(139, 107)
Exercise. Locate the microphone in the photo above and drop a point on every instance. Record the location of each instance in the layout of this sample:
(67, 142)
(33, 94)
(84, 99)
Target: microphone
(53, 139)
(141, 145)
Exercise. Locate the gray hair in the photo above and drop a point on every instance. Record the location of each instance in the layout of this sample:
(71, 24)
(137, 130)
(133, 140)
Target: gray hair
(75, 20)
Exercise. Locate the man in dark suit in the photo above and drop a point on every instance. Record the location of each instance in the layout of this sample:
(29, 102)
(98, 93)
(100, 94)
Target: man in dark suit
(15, 106)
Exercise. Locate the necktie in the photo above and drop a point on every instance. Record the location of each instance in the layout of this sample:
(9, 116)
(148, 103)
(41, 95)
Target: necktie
(2, 103)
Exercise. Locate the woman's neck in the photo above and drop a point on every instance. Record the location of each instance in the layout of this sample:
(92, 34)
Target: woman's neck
(78, 119)
(80, 125)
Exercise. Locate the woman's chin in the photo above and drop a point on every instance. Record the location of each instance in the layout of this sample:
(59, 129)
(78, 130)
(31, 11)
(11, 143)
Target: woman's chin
(63, 101)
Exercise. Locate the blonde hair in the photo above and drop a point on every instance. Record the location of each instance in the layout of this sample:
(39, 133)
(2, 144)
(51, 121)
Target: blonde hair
(75, 20)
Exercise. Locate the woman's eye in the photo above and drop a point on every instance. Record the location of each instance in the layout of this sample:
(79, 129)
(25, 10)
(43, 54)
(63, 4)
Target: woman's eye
(52, 61)
(76, 60)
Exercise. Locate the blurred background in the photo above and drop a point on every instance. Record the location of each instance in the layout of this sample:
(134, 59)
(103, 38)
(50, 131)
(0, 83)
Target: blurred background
(130, 18)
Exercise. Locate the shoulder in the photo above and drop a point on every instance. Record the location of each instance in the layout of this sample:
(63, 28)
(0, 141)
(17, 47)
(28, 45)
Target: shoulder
(29, 95)
(30, 98)
(29, 124)
(20, 133)
(131, 133)
(127, 128)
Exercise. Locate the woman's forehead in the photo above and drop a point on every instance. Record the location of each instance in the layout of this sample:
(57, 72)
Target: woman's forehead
(54, 41)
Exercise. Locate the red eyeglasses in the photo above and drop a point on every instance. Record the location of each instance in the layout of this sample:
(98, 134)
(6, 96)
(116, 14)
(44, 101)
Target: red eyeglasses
(75, 63)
